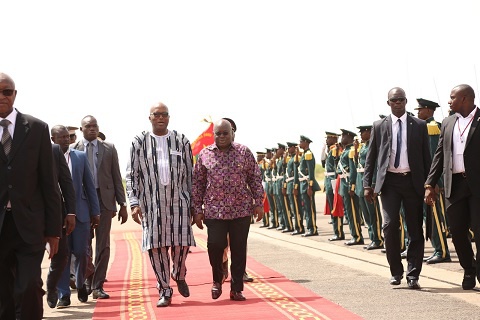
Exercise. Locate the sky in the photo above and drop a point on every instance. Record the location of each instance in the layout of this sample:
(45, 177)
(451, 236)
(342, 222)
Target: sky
(279, 69)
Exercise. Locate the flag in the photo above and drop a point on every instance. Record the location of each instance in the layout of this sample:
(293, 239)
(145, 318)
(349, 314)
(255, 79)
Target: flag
(203, 140)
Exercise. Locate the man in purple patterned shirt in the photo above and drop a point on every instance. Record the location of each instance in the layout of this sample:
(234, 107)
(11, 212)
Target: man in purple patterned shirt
(227, 189)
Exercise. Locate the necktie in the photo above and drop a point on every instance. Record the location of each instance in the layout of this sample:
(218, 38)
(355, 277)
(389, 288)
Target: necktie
(6, 138)
(399, 144)
(91, 163)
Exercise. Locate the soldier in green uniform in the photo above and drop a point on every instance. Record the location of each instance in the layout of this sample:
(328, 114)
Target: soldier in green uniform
(262, 164)
(348, 174)
(426, 109)
(308, 185)
(371, 211)
(285, 222)
(331, 161)
(273, 223)
(272, 174)
(292, 203)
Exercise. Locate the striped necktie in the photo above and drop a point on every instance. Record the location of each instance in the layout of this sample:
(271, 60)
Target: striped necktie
(6, 137)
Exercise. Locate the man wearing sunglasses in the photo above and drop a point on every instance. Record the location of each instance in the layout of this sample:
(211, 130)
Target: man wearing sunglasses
(400, 151)
(30, 207)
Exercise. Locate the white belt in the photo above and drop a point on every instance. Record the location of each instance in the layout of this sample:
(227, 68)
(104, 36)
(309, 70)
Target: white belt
(360, 170)
(268, 179)
(289, 179)
(279, 178)
(303, 179)
(344, 176)
(328, 174)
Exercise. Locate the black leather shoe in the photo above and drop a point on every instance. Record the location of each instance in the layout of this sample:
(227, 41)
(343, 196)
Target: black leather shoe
(374, 246)
(280, 228)
(82, 294)
(88, 285)
(468, 282)
(64, 302)
(216, 290)
(272, 227)
(237, 296)
(438, 259)
(72, 282)
(263, 226)
(310, 234)
(413, 284)
(336, 238)
(182, 287)
(353, 242)
(246, 278)
(164, 301)
(294, 233)
(286, 230)
(396, 280)
(52, 298)
(100, 294)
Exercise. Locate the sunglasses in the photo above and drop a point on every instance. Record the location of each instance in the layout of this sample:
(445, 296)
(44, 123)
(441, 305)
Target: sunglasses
(394, 100)
(159, 114)
(7, 92)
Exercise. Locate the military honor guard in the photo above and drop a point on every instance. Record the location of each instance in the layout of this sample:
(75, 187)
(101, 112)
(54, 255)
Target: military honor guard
(273, 223)
(371, 211)
(347, 171)
(263, 165)
(307, 186)
(285, 219)
(426, 109)
(296, 213)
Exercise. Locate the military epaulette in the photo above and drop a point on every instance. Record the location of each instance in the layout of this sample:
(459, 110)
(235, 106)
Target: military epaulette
(332, 147)
(433, 129)
(288, 158)
(308, 155)
(334, 152)
(351, 153)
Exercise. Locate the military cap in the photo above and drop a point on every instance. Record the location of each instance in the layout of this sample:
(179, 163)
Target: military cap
(363, 128)
(426, 104)
(268, 149)
(232, 123)
(292, 144)
(101, 135)
(382, 116)
(281, 146)
(274, 149)
(304, 138)
(348, 132)
(71, 129)
(410, 114)
(332, 134)
(260, 153)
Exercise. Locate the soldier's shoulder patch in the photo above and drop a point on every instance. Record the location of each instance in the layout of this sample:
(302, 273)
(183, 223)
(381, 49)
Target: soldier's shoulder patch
(351, 153)
(433, 129)
(308, 155)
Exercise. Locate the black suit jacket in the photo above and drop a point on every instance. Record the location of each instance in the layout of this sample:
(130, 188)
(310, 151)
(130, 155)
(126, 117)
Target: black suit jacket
(442, 160)
(378, 155)
(65, 181)
(27, 179)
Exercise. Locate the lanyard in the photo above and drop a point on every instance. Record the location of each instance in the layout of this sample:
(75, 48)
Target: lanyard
(462, 132)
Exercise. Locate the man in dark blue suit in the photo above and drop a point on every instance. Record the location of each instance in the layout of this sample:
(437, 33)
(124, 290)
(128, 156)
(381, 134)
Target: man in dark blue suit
(400, 152)
(87, 215)
(30, 207)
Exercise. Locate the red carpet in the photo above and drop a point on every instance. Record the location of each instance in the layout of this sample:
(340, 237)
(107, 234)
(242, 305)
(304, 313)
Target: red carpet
(131, 285)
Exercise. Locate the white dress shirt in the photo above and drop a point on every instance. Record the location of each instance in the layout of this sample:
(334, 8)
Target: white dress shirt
(403, 166)
(459, 139)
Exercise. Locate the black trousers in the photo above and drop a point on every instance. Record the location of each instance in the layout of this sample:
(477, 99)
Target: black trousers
(217, 231)
(463, 211)
(398, 189)
(20, 274)
(58, 263)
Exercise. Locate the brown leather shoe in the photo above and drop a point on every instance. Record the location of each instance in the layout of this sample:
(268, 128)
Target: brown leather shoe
(237, 296)
(216, 290)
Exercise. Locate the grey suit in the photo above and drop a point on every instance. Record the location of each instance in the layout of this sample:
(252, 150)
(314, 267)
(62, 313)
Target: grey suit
(462, 191)
(395, 189)
(110, 191)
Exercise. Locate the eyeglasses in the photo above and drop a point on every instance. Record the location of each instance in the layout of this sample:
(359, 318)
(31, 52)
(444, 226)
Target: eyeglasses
(73, 135)
(159, 114)
(394, 100)
(222, 133)
(7, 92)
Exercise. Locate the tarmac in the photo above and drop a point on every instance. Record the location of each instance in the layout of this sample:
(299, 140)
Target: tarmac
(350, 276)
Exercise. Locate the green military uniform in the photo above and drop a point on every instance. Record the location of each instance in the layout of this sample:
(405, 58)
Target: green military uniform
(371, 211)
(285, 221)
(305, 181)
(348, 174)
(262, 164)
(269, 190)
(439, 225)
(296, 214)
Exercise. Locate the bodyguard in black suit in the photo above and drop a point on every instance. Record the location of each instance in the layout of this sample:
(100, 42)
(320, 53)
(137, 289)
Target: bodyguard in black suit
(30, 207)
(399, 150)
(457, 157)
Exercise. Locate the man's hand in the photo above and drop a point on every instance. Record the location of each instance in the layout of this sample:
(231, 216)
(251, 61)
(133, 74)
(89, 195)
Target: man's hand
(369, 194)
(69, 223)
(52, 243)
(198, 219)
(430, 196)
(258, 212)
(137, 215)
(123, 214)
(94, 221)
